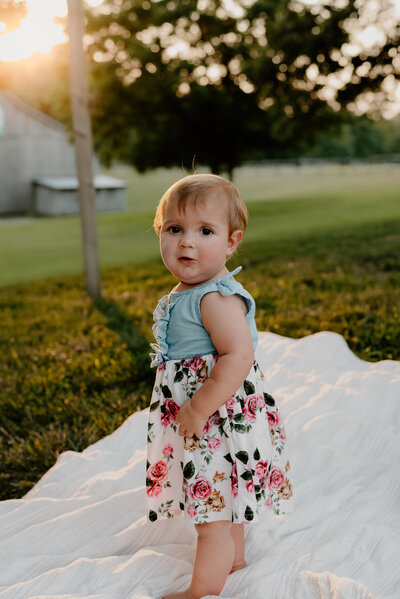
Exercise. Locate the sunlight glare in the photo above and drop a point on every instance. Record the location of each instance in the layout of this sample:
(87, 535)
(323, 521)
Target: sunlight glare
(38, 32)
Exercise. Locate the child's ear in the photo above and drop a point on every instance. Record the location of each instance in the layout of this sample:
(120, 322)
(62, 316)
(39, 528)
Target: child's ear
(233, 241)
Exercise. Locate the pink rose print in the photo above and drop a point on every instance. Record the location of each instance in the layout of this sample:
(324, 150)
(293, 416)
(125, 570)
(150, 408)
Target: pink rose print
(234, 480)
(171, 410)
(250, 408)
(161, 366)
(207, 427)
(273, 419)
(168, 451)
(154, 490)
(268, 503)
(261, 468)
(214, 419)
(158, 471)
(230, 407)
(250, 486)
(191, 510)
(230, 403)
(260, 401)
(283, 434)
(201, 489)
(195, 364)
(214, 443)
(276, 478)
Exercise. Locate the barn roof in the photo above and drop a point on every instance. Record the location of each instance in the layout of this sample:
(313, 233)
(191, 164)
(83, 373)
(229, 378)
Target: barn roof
(30, 111)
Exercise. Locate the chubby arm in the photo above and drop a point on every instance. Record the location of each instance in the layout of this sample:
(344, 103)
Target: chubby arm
(224, 318)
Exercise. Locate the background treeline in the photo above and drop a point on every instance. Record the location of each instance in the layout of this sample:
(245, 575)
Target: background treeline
(361, 137)
(356, 137)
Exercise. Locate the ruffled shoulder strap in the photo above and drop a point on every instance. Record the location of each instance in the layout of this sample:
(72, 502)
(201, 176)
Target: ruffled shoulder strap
(226, 285)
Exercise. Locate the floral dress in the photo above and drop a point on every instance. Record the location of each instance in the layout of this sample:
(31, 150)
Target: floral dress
(238, 469)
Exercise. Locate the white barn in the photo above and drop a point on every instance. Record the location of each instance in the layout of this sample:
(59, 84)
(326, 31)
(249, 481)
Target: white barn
(34, 147)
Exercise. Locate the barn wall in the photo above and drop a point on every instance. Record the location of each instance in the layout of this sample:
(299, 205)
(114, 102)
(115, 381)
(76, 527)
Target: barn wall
(30, 148)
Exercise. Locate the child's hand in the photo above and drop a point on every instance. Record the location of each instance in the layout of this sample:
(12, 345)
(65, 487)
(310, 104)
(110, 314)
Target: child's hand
(190, 422)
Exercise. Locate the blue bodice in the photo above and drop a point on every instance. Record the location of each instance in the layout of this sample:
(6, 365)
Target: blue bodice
(178, 327)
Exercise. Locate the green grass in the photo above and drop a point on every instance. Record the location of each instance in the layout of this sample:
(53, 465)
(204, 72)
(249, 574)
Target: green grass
(71, 371)
(283, 201)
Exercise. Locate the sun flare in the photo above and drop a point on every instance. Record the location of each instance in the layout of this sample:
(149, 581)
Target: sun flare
(38, 32)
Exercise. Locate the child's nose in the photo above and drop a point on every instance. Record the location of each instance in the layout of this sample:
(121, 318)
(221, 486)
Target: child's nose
(186, 240)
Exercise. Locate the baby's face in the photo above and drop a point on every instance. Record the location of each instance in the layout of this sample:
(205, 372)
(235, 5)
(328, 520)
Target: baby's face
(195, 241)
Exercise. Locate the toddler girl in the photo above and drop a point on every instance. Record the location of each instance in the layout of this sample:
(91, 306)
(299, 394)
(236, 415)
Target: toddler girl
(215, 437)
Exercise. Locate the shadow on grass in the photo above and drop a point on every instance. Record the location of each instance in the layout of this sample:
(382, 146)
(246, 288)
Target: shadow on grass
(136, 343)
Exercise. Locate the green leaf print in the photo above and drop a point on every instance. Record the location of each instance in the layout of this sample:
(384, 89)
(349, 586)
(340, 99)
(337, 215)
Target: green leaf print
(246, 475)
(228, 458)
(166, 391)
(240, 428)
(181, 505)
(256, 454)
(153, 408)
(269, 400)
(243, 456)
(248, 513)
(178, 376)
(189, 470)
(152, 516)
(238, 418)
(249, 388)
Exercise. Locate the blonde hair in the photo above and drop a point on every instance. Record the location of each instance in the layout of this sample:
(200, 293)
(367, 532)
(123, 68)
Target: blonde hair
(198, 187)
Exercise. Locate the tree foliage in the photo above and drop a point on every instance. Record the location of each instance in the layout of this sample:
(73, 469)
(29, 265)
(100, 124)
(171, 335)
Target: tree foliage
(192, 79)
(359, 137)
(177, 81)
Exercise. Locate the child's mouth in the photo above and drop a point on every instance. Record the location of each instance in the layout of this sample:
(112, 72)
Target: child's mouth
(185, 259)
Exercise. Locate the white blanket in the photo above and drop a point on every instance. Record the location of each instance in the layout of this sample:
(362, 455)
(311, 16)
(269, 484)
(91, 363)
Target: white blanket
(81, 531)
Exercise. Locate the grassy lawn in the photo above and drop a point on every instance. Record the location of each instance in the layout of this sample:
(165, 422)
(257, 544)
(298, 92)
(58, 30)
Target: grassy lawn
(72, 371)
(283, 201)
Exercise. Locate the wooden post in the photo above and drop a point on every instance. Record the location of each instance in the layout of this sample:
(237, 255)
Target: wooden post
(83, 147)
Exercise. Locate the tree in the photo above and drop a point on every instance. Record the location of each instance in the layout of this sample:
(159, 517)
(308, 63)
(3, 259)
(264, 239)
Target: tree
(173, 80)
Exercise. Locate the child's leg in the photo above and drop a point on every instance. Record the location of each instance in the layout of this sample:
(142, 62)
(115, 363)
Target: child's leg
(213, 560)
(239, 562)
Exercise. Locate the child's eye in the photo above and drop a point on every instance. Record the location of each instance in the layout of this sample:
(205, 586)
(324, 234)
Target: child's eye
(206, 231)
(174, 229)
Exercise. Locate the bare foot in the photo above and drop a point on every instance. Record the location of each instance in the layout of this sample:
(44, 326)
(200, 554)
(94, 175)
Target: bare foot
(182, 595)
(239, 565)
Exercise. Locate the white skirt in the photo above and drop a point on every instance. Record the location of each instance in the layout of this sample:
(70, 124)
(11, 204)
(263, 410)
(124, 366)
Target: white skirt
(235, 471)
